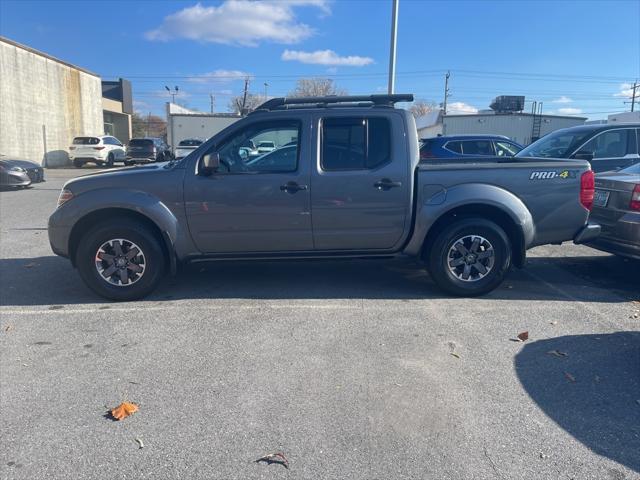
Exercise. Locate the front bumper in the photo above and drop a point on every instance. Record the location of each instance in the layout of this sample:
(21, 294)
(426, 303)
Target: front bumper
(587, 233)
(18, 179)
(58, 233)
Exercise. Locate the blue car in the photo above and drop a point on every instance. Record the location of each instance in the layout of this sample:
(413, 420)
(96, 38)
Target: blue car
(455, 146)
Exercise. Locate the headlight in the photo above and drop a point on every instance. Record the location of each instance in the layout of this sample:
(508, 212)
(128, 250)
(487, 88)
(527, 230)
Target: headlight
(17, 169)
(65, 196)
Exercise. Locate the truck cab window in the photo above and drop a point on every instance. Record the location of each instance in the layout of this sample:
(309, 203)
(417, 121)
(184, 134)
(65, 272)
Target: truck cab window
(262, 148)
(355, 143)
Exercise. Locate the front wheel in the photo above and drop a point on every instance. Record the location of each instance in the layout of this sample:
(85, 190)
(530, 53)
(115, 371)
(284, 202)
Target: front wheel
(120, 260)
(469, 257)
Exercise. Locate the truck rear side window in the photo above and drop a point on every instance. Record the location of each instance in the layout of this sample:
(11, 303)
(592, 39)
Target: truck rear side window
(355, 143)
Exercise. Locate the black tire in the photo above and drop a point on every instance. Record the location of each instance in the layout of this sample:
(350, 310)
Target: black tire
(143, 238)
(78, 163)
(442, 252)
(127, 163)
(110, 160)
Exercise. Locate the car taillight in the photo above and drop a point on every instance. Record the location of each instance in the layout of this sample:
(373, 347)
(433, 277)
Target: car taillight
(65, 196)
(98, 148)
(587, 189)
(72, 148)
(634, 204)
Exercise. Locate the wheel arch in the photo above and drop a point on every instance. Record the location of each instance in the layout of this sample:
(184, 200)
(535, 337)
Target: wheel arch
(96, 217)
(499, 216)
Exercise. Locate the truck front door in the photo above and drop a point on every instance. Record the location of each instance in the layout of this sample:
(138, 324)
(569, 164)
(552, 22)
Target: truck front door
(255, 202)
(360, 186)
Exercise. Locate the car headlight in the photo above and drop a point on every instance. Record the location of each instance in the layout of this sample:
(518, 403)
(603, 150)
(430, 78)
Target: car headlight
(17, 169)
(65, 196)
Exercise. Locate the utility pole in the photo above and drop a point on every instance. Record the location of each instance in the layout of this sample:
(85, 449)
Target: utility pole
(446, 92)
(392, 49)
(633, 94)
(212, 98)
(243, 111)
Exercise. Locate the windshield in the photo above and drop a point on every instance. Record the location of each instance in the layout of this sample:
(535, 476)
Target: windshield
(190, 143)
(558, 144)
(86, 141)
(633, 169)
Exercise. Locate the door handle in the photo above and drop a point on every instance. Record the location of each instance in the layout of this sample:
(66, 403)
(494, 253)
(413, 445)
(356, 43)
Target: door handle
(386, 184)
(292, 187)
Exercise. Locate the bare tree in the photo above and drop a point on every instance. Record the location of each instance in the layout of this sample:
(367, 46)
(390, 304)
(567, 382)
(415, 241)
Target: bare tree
(252, 102)
(148, 125)
(316, 87)
(421, 107)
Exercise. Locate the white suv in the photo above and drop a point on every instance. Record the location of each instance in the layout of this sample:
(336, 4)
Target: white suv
(102, 150)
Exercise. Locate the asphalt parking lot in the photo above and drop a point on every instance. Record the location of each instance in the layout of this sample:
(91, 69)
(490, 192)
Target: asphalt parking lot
(352, 369)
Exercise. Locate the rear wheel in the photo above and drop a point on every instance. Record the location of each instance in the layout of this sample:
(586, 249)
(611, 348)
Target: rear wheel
(469, 257)
(120, 260)
(127, 163)
(110, 160)
(78, 163)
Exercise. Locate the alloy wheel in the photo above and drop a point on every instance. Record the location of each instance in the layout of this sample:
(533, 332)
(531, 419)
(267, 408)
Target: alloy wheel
(120, 262)
(471, 258)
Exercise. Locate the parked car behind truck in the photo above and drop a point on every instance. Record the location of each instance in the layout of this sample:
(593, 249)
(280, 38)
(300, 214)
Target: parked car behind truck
(349, 186)
(146, 150)
(616, 208)
(606, 147)
(103, 150)
(457, 146)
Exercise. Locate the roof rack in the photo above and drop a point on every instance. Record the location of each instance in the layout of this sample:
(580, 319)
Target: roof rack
(284, 103)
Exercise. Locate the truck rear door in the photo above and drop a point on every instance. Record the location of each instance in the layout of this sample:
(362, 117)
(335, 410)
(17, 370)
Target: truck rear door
(360, 184)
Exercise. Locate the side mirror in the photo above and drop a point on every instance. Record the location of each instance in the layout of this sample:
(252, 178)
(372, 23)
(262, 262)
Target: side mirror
(583, 155)
(210, 163)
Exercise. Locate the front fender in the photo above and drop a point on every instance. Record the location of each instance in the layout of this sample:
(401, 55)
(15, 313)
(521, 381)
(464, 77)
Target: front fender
(435, 201)
(66, 218)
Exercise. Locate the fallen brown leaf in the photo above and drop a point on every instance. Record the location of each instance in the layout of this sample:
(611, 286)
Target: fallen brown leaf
(455, 354)
(570, 377)
(140, 444)
(523, 336)
(123, 410)
(557, 353)
(7, 328)
(277, 457)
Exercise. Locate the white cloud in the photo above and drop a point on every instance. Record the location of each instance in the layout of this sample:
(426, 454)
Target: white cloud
(626, 91)
(239, 22)
(562, 99)
(326, 57)
(220, 76)
(461, 108)
(569, 111)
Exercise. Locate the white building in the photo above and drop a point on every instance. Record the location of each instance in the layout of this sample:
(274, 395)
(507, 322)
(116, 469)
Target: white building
(520, 127)
(183, 123)
(44, 103)
(624, 117)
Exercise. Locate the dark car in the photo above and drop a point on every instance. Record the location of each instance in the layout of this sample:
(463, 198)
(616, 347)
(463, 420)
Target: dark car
(146, 150)
(606, 147)
(616, 207)
(20, 173)
(455, 146)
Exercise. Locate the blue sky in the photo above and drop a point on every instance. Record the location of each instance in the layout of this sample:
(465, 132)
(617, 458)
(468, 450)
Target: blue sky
(578, 57)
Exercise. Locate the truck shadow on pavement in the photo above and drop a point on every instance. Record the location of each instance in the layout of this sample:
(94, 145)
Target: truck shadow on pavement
(52, 280)
(590, 386)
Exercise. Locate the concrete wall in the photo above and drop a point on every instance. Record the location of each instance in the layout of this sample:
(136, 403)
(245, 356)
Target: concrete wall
(37, 90)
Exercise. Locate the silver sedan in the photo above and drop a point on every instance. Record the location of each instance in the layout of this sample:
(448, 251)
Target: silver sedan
(616, 207)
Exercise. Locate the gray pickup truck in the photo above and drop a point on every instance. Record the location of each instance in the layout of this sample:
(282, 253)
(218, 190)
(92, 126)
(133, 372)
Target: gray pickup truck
(342, 181)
